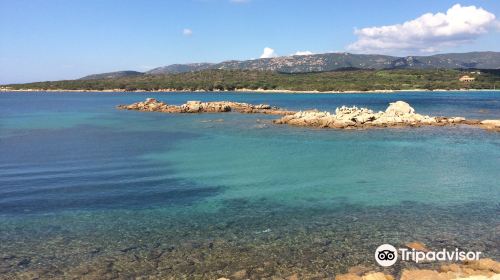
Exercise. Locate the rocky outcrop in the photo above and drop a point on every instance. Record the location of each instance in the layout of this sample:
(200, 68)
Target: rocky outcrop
(399, 108)
(482, 269)
(398, 113)
(491, 124)
(153, 105)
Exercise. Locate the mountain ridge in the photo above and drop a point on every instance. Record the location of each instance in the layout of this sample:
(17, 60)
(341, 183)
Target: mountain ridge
(330, 62)
(112, 75)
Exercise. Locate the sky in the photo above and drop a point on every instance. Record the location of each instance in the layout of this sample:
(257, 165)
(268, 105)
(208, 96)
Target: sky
(59, 39)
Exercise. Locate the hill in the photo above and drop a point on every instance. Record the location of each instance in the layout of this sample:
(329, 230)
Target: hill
(339, 61)
(219, 80)
(112, 75)
(329, 62)
(181, 68)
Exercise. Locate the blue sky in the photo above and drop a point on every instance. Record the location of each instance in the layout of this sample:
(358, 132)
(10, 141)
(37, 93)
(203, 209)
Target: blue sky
(60, 39)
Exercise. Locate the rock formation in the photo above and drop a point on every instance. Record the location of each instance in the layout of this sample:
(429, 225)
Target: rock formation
(398, 113)
(491, 124)
(153, 105)
(482, 269)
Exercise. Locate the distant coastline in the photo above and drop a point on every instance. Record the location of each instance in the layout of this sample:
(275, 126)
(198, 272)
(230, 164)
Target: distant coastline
(244, 90)
(369, 81)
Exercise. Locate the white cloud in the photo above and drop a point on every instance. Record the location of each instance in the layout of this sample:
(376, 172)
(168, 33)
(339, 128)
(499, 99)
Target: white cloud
(187, 32)
(303, 53)
(268, 53)
(427, 33)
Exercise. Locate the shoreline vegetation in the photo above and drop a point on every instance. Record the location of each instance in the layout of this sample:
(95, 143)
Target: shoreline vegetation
(253, 91)
(353, 81)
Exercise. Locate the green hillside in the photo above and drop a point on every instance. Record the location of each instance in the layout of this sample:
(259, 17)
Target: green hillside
(357, 80)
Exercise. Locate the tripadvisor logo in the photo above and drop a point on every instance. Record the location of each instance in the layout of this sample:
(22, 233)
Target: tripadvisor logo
(387, 255)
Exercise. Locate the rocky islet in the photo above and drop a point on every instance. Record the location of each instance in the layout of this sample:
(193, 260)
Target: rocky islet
(397, 114)
(153, 105)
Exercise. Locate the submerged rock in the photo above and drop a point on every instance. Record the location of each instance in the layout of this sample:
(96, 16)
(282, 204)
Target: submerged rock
(481, 269)
(418, 246)
(240, 274)
(368, 276)
(415, 274)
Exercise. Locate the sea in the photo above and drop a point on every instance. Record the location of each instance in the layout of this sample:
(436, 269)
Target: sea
(91, 192)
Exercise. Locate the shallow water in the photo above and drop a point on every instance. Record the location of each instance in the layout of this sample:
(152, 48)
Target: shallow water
(90, 191)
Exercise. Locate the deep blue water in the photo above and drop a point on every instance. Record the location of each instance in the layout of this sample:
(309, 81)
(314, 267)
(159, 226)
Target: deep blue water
(76, 174)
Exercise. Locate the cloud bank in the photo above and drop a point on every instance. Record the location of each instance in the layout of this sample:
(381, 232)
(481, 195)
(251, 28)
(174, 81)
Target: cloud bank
(268, 53)
(427, 33)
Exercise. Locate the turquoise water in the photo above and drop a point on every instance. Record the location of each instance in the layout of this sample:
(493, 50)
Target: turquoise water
(88, 190)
